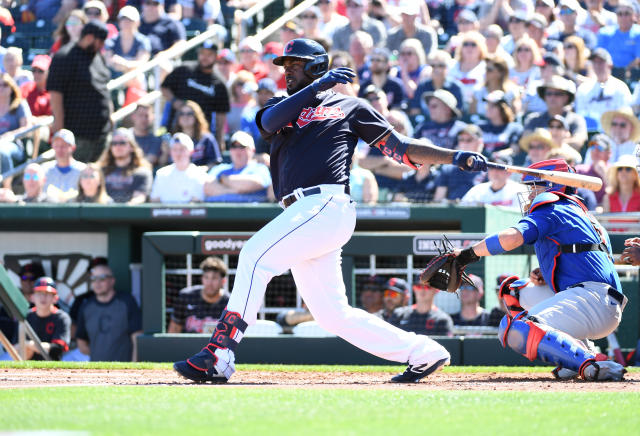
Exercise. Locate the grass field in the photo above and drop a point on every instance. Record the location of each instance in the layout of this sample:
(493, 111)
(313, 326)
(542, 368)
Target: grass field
(183, 409)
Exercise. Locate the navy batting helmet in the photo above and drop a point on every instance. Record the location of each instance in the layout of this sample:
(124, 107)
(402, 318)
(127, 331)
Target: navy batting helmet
(315, 57)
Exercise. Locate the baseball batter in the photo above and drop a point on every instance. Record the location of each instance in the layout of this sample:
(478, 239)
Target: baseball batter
(313, 133)
(574, 253)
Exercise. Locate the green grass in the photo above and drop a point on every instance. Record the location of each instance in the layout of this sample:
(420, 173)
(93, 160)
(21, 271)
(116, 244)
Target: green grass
(210, 410)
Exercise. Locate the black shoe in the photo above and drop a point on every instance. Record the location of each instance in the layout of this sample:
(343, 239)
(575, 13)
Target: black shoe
(415, 373)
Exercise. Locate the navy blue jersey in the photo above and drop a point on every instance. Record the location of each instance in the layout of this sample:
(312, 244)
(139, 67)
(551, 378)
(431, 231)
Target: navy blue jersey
(317, 147)
(54, 329)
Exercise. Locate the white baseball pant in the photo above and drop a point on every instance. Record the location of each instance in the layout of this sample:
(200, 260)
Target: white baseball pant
(307, 238)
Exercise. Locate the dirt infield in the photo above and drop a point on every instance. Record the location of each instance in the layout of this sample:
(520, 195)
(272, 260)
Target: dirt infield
(491, 381)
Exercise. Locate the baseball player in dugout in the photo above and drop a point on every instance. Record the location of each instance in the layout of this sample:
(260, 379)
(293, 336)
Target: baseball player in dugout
(312, 134)
(585, 299)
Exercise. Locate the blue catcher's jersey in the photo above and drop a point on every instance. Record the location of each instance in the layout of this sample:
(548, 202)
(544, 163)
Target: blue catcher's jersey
(557, 220)
(317, 147)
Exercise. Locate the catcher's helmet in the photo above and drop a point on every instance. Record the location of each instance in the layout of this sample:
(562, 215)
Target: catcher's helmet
(526, 198)
(315, 56)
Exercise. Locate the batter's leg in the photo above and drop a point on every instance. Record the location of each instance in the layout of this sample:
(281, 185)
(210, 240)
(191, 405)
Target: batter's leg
(322, 288)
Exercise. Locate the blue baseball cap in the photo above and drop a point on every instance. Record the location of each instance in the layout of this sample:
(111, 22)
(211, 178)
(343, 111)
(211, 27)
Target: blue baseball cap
(268, 85)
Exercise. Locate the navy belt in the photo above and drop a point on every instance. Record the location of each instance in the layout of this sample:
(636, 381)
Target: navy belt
(315, 190)
(613, 293)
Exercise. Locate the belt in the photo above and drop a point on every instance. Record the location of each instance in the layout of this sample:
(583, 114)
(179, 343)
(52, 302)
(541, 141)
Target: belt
(613, 293)
(305, 192)
(581, 248)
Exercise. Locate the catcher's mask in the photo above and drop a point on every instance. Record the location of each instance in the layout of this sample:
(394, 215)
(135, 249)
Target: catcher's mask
(312, 53)
(536, 185)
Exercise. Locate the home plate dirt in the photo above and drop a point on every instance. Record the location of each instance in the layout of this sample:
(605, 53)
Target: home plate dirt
(489, 381)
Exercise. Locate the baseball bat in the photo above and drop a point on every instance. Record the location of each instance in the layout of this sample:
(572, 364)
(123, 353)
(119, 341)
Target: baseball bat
(562, 178)
(614, 346)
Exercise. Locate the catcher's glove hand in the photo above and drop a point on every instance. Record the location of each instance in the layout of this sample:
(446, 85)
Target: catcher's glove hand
(446, 271)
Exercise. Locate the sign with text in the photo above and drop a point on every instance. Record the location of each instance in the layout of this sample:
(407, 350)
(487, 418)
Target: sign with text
(223, 244)
(383, 213)
(429, 244)
(169, 212)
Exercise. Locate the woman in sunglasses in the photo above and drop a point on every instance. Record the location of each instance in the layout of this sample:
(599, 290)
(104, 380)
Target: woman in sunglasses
(91, 186)
(191, 121)
(470, 66)
(14, 115)
(623, 192)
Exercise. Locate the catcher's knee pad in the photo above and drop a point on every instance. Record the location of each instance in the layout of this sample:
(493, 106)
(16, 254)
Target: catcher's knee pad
(534, 340)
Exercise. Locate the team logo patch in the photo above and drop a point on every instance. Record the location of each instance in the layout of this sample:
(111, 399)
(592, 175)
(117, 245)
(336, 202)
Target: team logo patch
(289, 47)
(319, 113)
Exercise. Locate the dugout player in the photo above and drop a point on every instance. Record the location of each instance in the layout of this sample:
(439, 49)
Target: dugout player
(52, 325)
(574, 253)
(313, 133)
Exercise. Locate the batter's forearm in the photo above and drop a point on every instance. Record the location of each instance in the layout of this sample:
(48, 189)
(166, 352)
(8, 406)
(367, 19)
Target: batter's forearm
(422, 152)
(509, 239)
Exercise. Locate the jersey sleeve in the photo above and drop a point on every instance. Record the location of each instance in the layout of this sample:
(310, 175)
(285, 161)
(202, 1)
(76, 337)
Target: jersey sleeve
(542, 219)
(369, 124)
(62, 331)
(271, 102)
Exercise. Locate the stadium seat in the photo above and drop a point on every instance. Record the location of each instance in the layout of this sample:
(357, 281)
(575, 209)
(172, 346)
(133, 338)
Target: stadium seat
(263, 328)
(311, 329)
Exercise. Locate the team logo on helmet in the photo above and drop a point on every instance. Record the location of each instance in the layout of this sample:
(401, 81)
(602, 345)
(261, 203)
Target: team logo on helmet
(288, 47)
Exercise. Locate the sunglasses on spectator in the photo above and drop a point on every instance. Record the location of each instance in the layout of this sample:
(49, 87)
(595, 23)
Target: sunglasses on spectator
(118, 143)
(565, 11)
(463, 22)
(308, 17)
(186, 114)
(625, 169)
(621, 125)
(434, 66)
(381, 60)
(390, 294)
(93, 12)
(491, 68)
(373, 98)
(523, 49)
(556, 126)
(37, 71)
(515, 20)
(537, 146)
(568, 46)
(469, 44)
(100, 277)
(88, 176)
(406, 53)
(236, 145)
(28, 176)
(554, 93)
(624, 13)
(466, 139)
(28, 278)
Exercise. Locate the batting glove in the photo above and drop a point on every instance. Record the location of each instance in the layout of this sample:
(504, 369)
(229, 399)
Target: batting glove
(469, 161)
(333, 77)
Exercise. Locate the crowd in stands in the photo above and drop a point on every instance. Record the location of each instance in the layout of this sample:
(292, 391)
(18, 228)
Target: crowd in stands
(517, 80)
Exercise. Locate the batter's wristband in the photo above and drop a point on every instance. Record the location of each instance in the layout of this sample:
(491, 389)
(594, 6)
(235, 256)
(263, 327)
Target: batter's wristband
(493, 245)
(396, 150)
(467, 256)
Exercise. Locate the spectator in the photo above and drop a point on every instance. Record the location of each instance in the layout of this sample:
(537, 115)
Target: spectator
(109, 321)
(197, 81)
(330, 19)
(423, 317)
(14, 114)
(181, 181)
(173, 8)
(191, 121)
(62, 174)
(396, 294)
(358, 20)
(493, 35)
(598, 155)
(35, 93)
(569, 10)
(380, 78)
(538, 145)
(266, 90)
(558, 94)
(417, 186)
(559, 130)
(526, 57)
(155, 148)
(340, 59)
(536, 29)
(127, 173)
(516, 29)
(622, 40)
(605, 93)
(243, 180)
(411, 28)
(50, 10)
(225, 66)
(162, 30)
(360, 47)
(69, 29)
(289, 31)
(575, 60)
(498, 312)
(97, 11)
(310, 20)
(466, 21)
(623, 191)
(499, 131)
(271, 51)
(442, 125)
(623, 127)
(452, 182)
(471, 313)
(500, 190)
(412, 66)
(243, 92)
(80, 101)
(469, 67)
(201, 305)
(497, 79)
(439, 62)
(12, 63)
(91, 186)
(128, 50)
(551, 66)
(33, 182)
(597, 17)
(249, 52)
(208, 11)
(371, 294)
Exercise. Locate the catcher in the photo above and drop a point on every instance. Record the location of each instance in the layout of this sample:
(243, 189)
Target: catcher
(574, 253)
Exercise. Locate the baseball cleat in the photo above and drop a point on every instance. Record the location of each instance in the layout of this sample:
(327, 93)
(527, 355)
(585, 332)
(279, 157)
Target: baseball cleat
(205, 366)
(561, 373)
(607, 370)
(415, 373)
(185, 370)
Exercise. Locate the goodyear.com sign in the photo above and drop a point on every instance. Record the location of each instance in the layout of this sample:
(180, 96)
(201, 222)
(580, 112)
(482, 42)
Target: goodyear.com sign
(427, 245)
(222, 244)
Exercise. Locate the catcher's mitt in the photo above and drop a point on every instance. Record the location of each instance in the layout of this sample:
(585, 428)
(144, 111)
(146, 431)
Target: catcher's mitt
(445, 271)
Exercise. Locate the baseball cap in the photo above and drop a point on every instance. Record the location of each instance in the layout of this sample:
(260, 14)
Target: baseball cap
(478, 285)
(373, 283)
(210, 44)
(273, 48)
(183, 139)
(627, 4)
(409, 7)
(45, 284)
(471, 129)
(66, 135)
(520, 15)
(33, 270)
(538, 20)
(601, 141)
(602, 54)
(495, 97)
(97, 261)
(560, 119)
(503, 159)
(397, 285)
(501, 278)
(129, 12)
(552, 59)
(267, 84)
(227, 55)
(467, 15)
(251, 43)
(95, 28)
(243, 138)
(95, 4)
(569, 4)
(41, 61)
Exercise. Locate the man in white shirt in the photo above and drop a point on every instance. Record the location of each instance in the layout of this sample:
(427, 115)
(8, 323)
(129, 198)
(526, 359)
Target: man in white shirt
(605, 93)
(182, 181)
(500, 190)
(62, 174)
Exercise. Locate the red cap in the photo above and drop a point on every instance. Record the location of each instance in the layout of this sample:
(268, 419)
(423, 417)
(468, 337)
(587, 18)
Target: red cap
(273, 48)
(42, 62)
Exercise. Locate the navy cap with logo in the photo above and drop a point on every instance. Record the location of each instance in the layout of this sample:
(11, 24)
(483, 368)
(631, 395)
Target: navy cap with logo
(31, 271)
(45, 284)
(397, 285)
